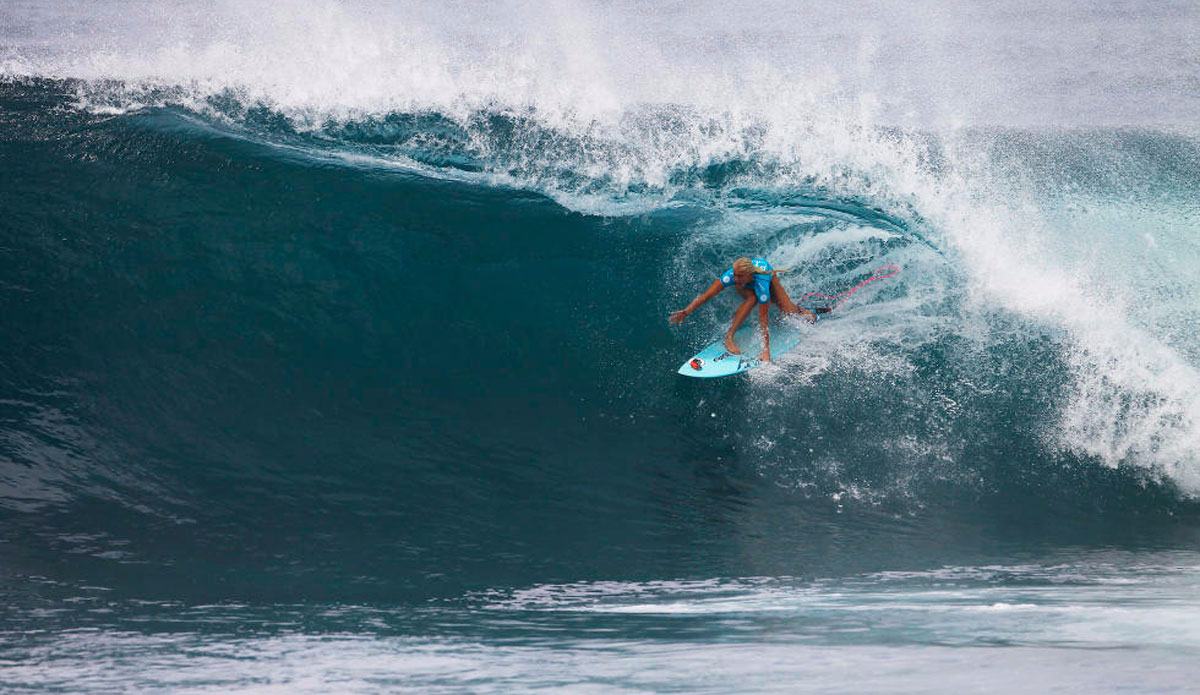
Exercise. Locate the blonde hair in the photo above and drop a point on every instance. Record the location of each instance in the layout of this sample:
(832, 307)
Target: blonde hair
(744, 266)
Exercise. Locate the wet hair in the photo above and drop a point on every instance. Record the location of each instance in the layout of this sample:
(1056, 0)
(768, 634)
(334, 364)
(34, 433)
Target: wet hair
(744, 266)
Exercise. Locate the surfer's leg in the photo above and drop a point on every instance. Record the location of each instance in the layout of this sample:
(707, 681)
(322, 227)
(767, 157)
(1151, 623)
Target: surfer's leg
(739, 317)
(781, 298)
(784, 302)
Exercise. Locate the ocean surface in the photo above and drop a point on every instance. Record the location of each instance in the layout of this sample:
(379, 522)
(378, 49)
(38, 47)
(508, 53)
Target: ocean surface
(334, 354)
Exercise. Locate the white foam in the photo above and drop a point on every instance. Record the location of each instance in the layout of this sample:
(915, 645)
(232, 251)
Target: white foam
(926, 63)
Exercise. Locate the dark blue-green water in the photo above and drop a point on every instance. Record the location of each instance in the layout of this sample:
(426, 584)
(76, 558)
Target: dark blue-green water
(334, 356)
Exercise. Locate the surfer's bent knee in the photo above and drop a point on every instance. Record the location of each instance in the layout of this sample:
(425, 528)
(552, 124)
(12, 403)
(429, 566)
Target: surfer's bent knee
(780, 297)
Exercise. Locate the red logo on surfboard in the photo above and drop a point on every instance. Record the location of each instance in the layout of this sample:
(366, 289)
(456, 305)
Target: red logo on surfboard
(697, 363)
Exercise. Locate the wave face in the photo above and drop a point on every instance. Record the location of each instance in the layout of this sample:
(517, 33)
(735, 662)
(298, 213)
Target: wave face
(335, 304)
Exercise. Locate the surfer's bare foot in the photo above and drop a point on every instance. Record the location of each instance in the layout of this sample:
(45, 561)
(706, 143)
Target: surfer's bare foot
(765, 356)
(802, 312)
(731, 346)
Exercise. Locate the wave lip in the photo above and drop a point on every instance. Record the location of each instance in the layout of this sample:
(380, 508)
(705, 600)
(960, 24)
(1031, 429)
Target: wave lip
(927, 66)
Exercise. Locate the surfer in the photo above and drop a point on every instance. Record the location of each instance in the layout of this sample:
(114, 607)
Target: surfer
(757, 283)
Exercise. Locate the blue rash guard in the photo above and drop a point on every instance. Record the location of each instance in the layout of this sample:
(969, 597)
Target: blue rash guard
(761, 284)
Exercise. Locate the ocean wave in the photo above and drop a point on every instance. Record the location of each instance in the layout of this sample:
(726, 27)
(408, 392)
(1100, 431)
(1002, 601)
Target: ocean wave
(803, 171)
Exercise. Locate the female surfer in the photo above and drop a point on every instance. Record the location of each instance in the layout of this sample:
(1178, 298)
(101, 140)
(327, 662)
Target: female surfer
(755, 281)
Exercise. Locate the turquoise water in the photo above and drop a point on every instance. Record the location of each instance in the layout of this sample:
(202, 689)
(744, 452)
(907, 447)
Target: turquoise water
(334, 353)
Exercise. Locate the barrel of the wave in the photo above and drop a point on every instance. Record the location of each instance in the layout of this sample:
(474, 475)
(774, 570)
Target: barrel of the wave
(716, 361)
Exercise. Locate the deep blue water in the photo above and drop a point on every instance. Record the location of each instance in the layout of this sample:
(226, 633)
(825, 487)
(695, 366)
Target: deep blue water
(384, 399)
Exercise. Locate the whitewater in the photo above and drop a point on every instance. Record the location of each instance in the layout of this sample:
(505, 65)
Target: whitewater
(334, 353)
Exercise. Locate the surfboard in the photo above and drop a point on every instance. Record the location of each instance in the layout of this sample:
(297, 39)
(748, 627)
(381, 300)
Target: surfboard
(715, 361)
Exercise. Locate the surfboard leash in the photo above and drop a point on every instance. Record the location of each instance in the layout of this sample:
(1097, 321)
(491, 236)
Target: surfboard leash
(883, 273)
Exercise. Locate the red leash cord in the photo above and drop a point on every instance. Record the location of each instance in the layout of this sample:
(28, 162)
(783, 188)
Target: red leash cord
(886, 271)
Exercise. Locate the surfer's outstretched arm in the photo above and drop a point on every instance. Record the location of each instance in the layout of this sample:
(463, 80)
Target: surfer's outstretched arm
(713, 290)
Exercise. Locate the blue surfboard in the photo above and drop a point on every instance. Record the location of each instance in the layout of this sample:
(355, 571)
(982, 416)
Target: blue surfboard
(714, 360)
